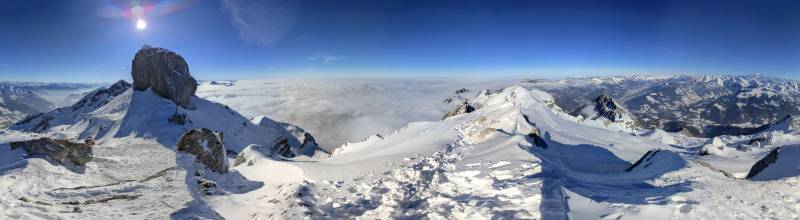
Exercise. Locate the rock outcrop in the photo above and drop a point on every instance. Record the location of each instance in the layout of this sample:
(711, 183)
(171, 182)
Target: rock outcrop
(57, 150)
(762, 164)
(608, 108)
(462, 108)
(207, 146)
(297, 142)
(780, 163)
(165, 72)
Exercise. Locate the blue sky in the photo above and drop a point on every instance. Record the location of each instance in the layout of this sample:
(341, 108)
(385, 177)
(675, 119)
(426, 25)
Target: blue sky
(95, 40)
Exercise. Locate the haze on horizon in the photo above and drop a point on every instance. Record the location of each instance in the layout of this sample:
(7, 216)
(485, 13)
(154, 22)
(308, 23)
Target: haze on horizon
(94, 41)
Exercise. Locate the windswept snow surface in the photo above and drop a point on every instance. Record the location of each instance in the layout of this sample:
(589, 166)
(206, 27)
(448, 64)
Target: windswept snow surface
(518, 156)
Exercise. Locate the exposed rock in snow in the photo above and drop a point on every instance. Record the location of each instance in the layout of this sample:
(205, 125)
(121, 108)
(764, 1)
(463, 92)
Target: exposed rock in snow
(780, 163)
(179, 118)
(606, 107)
(462, 108)
(57, 150)
(657, 161)
(299, 143)
(208, 146)
(165, 72)
(537, 139)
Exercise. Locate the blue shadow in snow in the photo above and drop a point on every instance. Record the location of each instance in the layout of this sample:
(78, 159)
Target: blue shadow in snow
(596, 173)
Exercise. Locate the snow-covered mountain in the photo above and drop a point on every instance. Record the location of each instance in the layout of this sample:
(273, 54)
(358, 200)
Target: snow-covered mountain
(21, 99)
(16, 102)
(516, 155)
(703, 106)
(156, 151)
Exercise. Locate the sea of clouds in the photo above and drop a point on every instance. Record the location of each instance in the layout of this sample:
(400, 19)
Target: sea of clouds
(338, 110)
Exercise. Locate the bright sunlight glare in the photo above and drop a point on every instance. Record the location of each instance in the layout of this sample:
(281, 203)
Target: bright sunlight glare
(140, 24)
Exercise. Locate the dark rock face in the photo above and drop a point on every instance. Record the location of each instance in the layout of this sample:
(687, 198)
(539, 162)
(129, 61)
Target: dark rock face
(762, 164)
(537, 139)
(281, 147)
(57, 150)
(607, 108)
(643, 161)
(165, 72)
(179, 118)
(207, 146)
(462, 108)
(308, 142)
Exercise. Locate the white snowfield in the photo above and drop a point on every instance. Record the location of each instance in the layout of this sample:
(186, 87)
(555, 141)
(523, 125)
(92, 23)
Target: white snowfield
(518, 156)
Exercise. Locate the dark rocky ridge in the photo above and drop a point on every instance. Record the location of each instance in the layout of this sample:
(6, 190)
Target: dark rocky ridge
(165, 72)
(608, 108)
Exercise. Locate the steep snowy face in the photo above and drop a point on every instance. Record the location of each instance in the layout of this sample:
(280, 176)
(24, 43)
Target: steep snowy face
(165, 72)
(704, 106)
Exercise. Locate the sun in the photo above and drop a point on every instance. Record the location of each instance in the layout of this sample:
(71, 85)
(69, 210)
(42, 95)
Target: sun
(141, 24)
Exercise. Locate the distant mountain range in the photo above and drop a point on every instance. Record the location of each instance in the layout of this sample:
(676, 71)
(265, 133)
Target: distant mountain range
(20, 99)
(702, 106)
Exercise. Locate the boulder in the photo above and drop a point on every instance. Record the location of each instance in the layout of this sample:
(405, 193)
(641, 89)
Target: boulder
(57, 150)
(207, 146)
(165, 73)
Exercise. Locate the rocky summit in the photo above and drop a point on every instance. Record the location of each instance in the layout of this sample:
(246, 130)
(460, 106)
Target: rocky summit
(165, 72)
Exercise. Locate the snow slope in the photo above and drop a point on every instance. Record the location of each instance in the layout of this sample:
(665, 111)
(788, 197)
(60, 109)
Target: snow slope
(517, 156)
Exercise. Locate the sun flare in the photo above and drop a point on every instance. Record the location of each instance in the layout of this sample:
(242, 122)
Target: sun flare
(141, 24)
